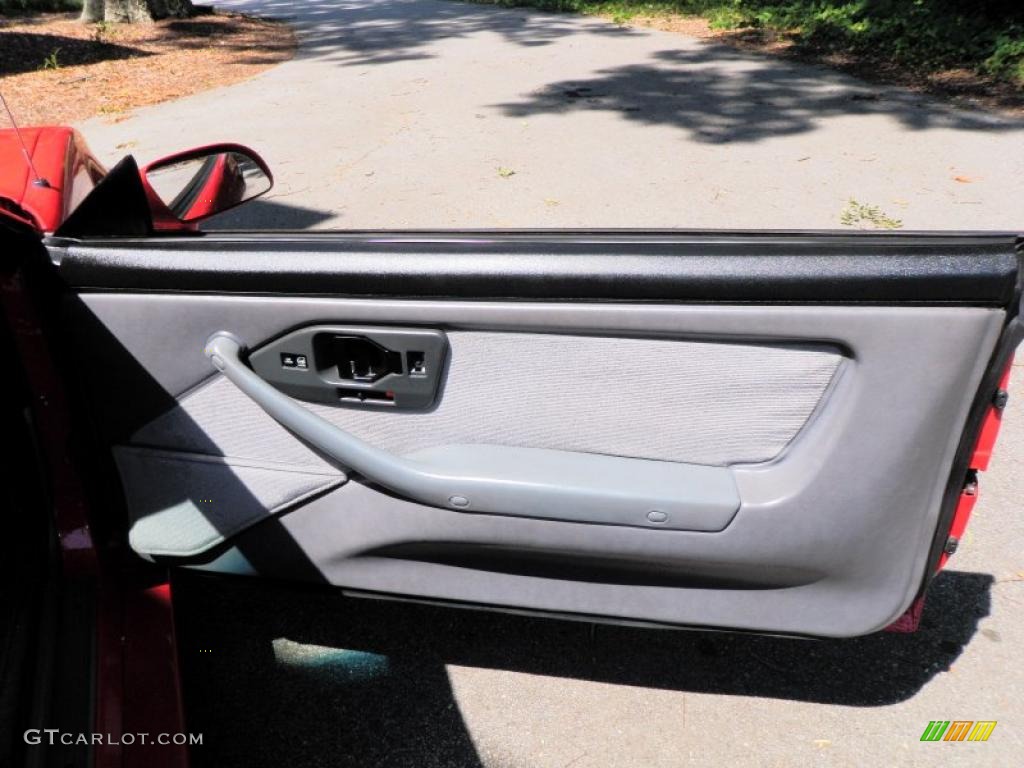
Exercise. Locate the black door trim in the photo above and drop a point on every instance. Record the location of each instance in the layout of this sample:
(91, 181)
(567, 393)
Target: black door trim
(978, 269)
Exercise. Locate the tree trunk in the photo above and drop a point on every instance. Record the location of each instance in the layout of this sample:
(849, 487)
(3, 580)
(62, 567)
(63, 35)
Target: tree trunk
(92, 11)
(133, 11)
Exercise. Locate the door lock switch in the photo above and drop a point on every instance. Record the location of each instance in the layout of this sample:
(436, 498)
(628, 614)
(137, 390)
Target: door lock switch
(289, 360)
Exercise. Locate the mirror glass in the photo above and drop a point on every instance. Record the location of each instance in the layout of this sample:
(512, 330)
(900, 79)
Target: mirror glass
(205, 185)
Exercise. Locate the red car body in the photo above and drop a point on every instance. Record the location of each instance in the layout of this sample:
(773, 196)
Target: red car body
(137, 685)
(60, 156)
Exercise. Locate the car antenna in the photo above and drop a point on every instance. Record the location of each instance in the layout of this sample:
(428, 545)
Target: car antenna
(38, 181)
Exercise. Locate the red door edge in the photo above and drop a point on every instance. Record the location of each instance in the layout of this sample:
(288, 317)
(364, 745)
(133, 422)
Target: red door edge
(981, 456)
(136, 675)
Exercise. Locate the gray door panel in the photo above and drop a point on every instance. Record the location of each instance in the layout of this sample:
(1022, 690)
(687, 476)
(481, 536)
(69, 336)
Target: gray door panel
(839, 425)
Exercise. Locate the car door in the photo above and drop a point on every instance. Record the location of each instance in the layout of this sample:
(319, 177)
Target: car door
(739, 430)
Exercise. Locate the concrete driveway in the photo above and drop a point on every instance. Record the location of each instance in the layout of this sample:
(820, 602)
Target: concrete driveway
(400, 113)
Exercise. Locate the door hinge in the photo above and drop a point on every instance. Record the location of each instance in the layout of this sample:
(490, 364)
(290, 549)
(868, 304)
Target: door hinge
(965, 504)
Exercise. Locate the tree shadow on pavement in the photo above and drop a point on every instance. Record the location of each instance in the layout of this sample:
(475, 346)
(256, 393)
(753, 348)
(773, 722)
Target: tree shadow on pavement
(358, 33)
(359, 682)
(719, 95)
(716, 93)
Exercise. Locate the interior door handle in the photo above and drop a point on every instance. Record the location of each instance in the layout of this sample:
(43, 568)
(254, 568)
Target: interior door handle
(526, 482)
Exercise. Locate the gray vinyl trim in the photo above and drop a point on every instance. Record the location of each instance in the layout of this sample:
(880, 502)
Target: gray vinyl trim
(182, 505)
(832, 535)
(663, 399)
(148, 325)
(529, 482)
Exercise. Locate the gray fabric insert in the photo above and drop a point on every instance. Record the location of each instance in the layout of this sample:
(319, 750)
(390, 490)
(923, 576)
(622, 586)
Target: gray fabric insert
(182, 505)
(686, 401)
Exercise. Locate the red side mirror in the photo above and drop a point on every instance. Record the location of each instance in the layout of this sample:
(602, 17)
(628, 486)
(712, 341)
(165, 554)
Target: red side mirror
(187, 187)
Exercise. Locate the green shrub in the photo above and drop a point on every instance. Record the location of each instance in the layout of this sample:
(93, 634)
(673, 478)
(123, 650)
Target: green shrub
(23, 6)
(926, 35)
(1007, 60)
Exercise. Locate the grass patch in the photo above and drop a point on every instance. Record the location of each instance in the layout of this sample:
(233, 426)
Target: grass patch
(51, 61)
(926, 37)
(867, 217)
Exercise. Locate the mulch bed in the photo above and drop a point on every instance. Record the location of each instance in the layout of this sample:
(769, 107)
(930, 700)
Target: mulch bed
(54, 69)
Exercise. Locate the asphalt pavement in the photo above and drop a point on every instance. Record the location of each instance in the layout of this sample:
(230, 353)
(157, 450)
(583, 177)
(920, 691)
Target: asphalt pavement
(424, 113)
